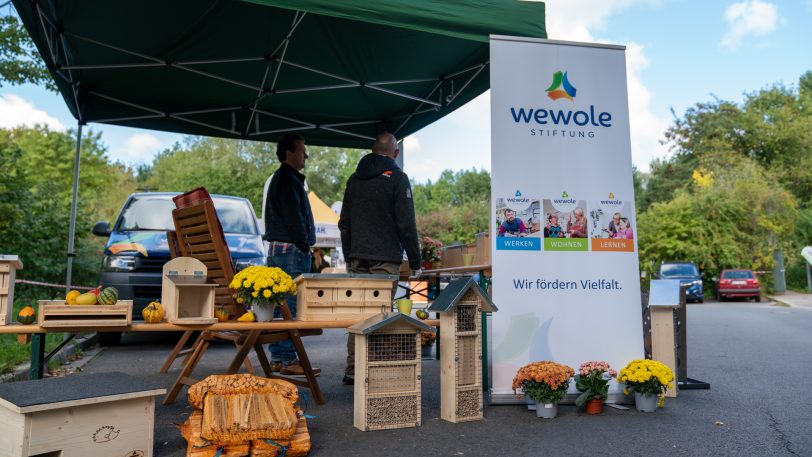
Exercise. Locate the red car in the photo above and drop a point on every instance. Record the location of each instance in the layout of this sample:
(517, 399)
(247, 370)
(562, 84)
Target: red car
(738, 283)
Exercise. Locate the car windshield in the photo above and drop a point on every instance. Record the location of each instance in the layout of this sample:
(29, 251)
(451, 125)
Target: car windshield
(741, 274)
(155, 213)
(678, 270)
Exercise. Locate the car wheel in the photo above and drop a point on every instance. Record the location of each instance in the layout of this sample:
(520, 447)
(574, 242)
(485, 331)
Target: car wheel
(109, 338)
(718, 298)
(758, 298)
(701, 300)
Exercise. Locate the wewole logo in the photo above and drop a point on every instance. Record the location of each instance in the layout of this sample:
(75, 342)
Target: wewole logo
(612, 201)
(565, 199)
(562, 88)
(517, 198)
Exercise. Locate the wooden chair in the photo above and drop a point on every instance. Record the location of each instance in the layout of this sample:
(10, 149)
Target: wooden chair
(198, 234)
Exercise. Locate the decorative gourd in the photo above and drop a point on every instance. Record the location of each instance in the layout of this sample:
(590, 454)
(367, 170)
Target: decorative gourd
(153, 313)
(70, 298)
(108, 296)
(221, 314)
(26, 315)
(247, 317)
(88, 298)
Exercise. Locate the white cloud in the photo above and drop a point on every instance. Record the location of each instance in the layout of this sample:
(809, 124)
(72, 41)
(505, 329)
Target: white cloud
(139, 147)
(421, 169)
(411, 144)
(749, 18)
(16, 112)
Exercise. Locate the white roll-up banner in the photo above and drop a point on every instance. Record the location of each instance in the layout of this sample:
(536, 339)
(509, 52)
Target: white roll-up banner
(566, 277)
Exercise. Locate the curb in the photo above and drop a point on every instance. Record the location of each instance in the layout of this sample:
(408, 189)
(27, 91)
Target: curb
(80, 343)
(780, 302)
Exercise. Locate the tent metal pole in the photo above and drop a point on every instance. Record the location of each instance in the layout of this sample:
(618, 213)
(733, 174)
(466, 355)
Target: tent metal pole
(288, 129)
(111, 66)
(72, 231)
(451, 98)
(311, 89)
(130, 118)
(214, 127)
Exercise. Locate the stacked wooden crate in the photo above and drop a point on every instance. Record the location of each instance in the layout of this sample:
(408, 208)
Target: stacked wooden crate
(330, 297)
(460, 305)
(9, 264)
(388, 372)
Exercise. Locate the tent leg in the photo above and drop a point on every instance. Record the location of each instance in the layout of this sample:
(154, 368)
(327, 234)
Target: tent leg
(72, 233)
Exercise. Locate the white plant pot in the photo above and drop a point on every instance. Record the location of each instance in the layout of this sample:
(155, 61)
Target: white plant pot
(645, 403)
(263, 313)
(546, 410)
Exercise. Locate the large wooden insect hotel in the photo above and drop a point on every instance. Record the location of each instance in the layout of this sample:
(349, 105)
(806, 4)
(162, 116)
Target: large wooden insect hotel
(461, 305)
(330, 297)
(387, 372)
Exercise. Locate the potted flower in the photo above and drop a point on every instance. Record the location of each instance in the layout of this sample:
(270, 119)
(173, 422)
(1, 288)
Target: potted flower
(429, 252)
(263, 288)
(593, 383)
(426, 341)
(649, 379)
(544, 382)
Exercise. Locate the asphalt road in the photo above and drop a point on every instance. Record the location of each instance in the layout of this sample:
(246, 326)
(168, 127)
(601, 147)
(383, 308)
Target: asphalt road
(757, 358)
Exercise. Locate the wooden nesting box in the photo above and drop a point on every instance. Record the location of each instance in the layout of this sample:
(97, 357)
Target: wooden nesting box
(9, 264)
(56, 313)
(387, 372)
(106, 414)
(461, 305)
(186, 295)
(332, 297)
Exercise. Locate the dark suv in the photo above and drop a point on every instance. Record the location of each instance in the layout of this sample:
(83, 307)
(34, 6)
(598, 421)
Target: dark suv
(688, 274)
(137, 250)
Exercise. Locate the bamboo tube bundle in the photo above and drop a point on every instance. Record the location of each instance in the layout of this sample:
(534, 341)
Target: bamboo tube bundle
(234, 418)
(240, 384)
(199, 447)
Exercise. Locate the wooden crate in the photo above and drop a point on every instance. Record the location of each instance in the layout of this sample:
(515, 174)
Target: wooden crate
(330, 297)
(186, 294)
(482, 255)
(387, 388)
(9, 264)
(108, 414)
(56, 313)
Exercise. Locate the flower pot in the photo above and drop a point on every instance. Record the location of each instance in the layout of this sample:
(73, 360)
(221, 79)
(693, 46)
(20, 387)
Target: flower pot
(404, 306)
(645, 403)
(594, 406)
(426, 265)
(263, 312)
(425, 351)
(546, 410)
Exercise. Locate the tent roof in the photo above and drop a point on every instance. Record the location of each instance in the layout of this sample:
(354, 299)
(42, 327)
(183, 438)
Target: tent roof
(322, 214)
(338, 72)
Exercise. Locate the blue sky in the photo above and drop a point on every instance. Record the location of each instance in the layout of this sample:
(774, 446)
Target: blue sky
(679, 52)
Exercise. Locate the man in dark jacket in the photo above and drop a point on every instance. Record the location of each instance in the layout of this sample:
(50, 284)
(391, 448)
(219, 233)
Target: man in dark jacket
(291, 232)
(377, 221)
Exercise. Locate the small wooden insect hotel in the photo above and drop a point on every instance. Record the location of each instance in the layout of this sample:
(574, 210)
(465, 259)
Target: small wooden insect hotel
(387, 367)
(460, 305)
(9, 264)
(186, 294)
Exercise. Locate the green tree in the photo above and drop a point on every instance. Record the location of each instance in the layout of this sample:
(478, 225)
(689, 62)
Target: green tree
(20, 63)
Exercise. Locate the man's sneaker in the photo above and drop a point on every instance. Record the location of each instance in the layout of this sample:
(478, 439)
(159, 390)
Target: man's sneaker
(295, 369)
(348, 380)
(276, 367)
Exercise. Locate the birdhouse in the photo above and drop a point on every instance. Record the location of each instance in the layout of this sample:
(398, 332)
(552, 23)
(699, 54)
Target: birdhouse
(387, 372)
(461, 305)
(9, 264)
(186, 295)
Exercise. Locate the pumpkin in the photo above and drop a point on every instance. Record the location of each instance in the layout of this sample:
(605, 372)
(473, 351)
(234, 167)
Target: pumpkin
(26, 315)
(108, 296)
(247, 317)
(70, 298)
(153, 313)
(221, 313)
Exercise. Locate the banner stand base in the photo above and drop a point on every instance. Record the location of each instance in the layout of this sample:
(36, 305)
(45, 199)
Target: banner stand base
(692, 384)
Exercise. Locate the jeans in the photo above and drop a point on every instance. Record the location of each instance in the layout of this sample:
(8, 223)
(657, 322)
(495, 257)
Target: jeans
(293, 262)
(367, 267)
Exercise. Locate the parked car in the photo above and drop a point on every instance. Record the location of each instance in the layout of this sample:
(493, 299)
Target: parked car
(688, 274)
(738, 283)
(137, 250)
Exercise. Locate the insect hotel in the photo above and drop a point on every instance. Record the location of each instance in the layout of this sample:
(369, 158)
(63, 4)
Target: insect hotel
(460, 305)
(387, 359)
(331, 297)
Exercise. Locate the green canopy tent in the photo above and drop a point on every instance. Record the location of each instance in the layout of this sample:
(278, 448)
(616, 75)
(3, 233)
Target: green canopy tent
(337, 71)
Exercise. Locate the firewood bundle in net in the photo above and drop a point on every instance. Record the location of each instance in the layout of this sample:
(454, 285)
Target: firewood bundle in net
(240, 408)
